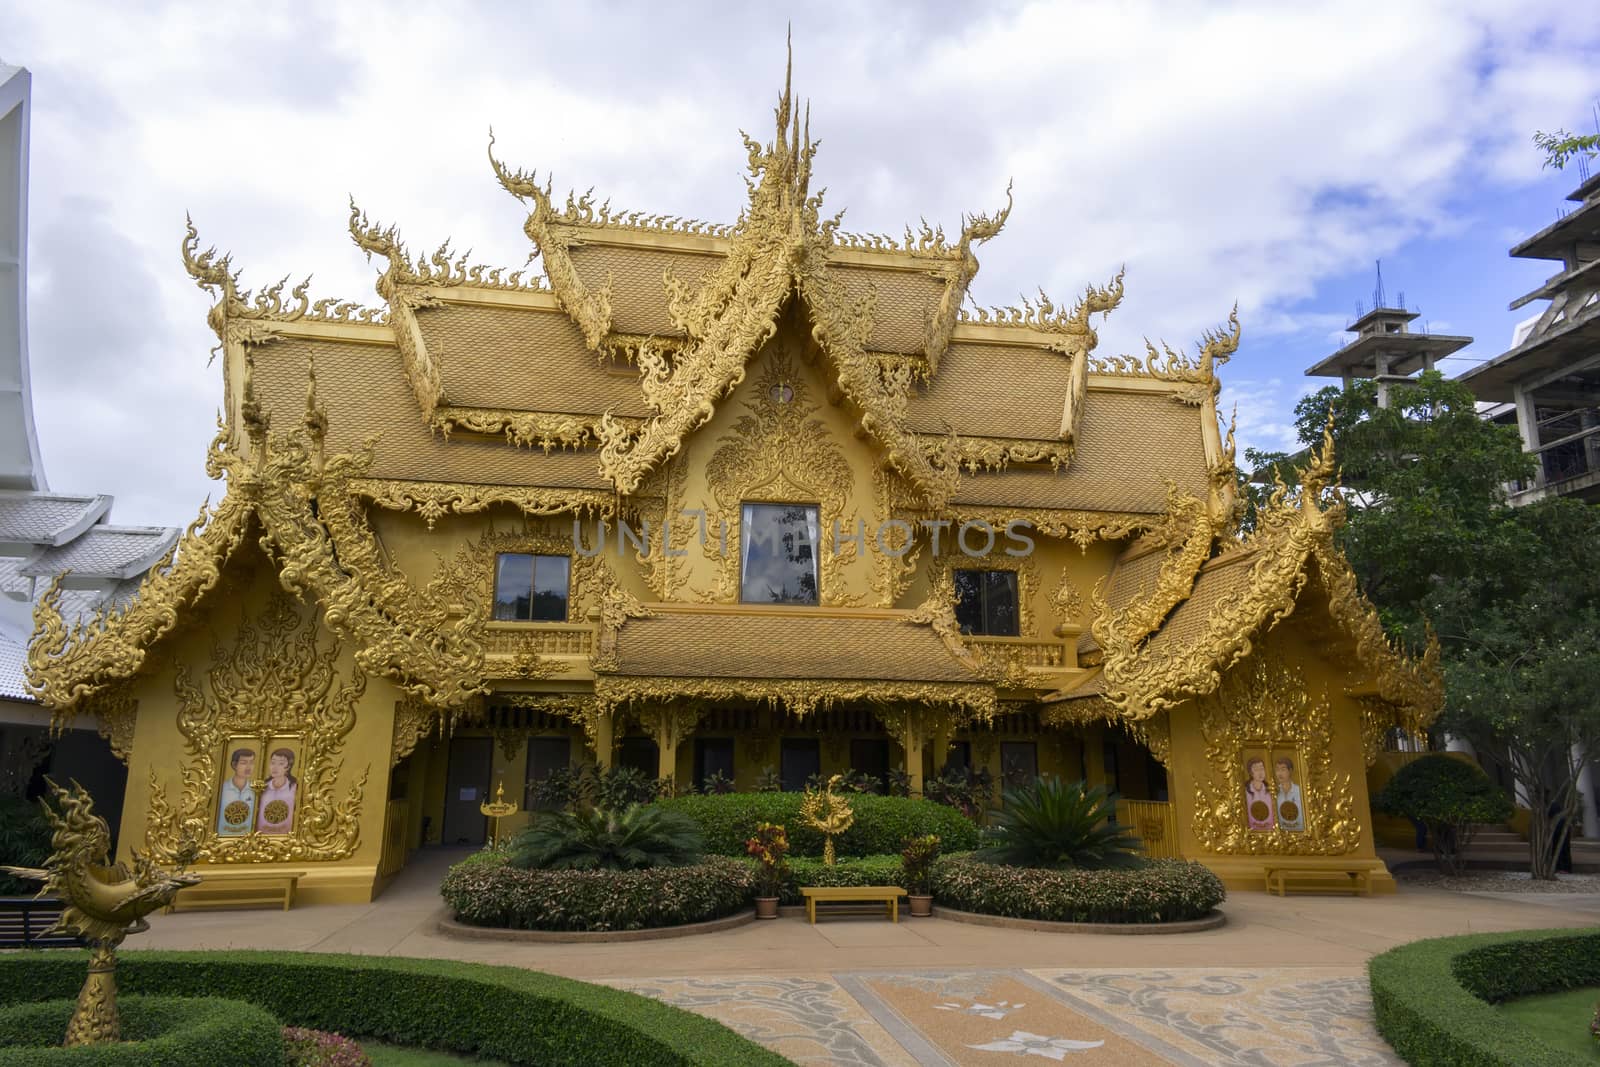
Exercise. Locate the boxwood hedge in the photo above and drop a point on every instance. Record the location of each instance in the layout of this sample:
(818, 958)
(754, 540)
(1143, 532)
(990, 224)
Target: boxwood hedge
(1159, 891)
(505, 1013)
(1434, 999)
(483, 891)
(850, 870)
(156, 1032)
(728, 820)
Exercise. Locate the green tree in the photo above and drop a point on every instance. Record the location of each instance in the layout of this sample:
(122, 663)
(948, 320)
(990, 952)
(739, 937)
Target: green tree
(1513, 593)
(1562, 147)
(1522, 668)
(1449, 796)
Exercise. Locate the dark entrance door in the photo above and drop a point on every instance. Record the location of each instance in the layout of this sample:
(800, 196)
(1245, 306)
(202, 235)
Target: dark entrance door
(641, 754)
(466, 786)
(712, 755)
(799, 758)
(546, 755)
(870, 756)
(1019, 763)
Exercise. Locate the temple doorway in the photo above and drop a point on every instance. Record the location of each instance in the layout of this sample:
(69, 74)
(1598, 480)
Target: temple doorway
(466, 787)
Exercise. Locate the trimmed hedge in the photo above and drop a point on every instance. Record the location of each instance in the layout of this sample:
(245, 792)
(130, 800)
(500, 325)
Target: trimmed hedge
(1159, 891)
(156, 1032)
(728, 820)
(505, 1013)
(484, 891)
(850, 870)
(1434, 1000)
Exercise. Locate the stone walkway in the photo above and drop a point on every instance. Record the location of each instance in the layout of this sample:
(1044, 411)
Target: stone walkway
(1282, 983)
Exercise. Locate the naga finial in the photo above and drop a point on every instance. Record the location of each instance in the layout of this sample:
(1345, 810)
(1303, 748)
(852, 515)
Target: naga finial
(105, 902)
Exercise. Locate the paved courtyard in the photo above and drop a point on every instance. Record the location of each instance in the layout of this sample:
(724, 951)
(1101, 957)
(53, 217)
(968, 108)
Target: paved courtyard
(1282, 983)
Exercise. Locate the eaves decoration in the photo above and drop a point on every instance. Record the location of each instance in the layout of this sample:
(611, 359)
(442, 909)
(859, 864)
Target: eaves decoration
(1293, 543)
(299, 502)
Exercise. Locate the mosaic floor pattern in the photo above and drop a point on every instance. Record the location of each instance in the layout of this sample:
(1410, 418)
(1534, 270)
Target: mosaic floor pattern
(1285, 1017)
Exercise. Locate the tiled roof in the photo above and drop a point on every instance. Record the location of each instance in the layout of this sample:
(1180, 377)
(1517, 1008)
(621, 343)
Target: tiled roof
(11, 579)
(523, 359)
(364, 390)
(638, 293)
(993, 391)
(106, 552)
(1221, 580)
(47, 518)
(12, 680)
(719, 645)
(1129, 445)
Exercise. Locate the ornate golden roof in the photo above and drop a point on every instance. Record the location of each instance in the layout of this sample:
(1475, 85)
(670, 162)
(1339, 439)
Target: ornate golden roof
(1176, 640)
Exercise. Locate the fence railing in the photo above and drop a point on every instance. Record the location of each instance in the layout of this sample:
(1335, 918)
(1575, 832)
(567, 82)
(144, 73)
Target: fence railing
(1153, 823)
(396, 838)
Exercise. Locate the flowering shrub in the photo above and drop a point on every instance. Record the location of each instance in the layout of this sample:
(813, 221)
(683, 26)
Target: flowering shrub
(317, 1048)
(483, 891)
(769, 847)
(1159, 891)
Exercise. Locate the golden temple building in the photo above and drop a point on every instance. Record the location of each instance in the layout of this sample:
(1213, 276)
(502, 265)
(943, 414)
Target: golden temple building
(765, 498)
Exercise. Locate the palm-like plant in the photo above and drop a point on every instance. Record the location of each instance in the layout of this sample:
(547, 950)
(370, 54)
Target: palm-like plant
(628, 839)
(1054, 825)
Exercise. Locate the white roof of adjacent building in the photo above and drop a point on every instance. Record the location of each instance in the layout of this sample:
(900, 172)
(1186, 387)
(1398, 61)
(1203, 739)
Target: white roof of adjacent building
(42, 533)
(105, 551)
(48, 518)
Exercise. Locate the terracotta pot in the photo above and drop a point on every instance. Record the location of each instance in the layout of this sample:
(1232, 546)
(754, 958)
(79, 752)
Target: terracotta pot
(921, 904)
(766, 907)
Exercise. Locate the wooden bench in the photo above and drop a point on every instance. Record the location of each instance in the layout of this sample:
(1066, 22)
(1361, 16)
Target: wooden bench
(1316, 878)
(238, 890)
(888, 895)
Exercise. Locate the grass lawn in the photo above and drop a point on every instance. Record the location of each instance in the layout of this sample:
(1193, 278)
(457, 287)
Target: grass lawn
(398, 1056)
(1560, 1019)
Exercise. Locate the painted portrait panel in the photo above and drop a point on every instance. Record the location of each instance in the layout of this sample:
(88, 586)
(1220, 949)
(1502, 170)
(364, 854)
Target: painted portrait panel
(1291, 810)
(280, 794)
(236, 793)
(1260, 802)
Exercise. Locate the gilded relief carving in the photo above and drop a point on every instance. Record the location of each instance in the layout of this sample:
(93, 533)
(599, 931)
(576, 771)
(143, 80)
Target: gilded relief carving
(778, 451)
(276, 688)
(1262, 713)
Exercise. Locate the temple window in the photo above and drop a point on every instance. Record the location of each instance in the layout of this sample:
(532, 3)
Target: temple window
(529, 588)
(986, 602)
(778, 554)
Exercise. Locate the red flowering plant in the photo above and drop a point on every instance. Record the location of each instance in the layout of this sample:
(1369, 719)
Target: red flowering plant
(317, 1048)
(1594, 1024)
(769, 846)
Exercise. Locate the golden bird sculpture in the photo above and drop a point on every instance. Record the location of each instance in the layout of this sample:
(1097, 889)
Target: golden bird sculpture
(828, 812)
(104, 902)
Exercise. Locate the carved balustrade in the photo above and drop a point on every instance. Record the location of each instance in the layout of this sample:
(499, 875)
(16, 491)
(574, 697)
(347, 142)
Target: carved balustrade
(1153, 822)
(1026, 653)
(544, 639)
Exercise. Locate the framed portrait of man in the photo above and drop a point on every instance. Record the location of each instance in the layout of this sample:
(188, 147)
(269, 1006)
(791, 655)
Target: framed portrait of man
(236, 793)
(280, 791)
(1286, 793)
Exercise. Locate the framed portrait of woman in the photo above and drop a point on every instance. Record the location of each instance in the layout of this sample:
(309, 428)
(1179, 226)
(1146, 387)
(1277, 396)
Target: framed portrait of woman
(280, 792)
(1260, 803)
(236, 792)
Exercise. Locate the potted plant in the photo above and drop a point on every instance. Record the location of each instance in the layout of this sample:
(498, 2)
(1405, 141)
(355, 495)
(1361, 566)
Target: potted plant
(916, 869)
(769, 847)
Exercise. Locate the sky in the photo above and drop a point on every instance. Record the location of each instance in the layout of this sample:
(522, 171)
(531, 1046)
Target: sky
(1264, 154)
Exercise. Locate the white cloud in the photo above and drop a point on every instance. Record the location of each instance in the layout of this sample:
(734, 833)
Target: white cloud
(1233, 152)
